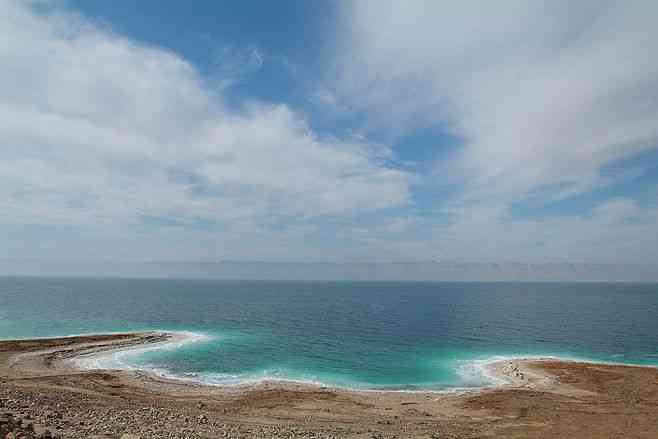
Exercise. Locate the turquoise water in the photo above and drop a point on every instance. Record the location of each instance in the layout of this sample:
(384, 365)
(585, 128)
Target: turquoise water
(353, 334)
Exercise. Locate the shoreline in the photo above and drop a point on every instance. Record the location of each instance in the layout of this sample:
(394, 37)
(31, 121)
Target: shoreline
(502, 371)
(537, 397)
(91, 358)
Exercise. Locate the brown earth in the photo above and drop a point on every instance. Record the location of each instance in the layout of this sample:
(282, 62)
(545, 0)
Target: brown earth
(42, 394)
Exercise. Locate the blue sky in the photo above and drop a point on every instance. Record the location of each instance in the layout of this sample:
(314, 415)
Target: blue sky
(329, 131)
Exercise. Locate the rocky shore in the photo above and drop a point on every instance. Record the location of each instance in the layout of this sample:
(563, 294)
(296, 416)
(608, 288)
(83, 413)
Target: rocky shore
(43, 396)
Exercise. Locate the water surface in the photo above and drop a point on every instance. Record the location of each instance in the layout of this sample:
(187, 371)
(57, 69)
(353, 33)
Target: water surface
(353, 334)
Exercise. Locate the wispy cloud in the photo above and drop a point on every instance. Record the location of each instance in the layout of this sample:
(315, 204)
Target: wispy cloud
(145, 157)
(544, 98)
(542, 94)
(98, 128)
(233, 65)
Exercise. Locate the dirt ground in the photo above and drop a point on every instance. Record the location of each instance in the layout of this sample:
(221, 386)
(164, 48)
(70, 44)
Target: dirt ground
(43, 395)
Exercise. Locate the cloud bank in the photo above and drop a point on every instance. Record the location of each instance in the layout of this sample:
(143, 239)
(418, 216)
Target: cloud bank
(548, 100)
(97, 128)
(543, 94)
(113, 148)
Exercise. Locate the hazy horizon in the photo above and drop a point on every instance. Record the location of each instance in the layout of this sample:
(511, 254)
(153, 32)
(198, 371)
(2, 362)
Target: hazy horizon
(336, 271)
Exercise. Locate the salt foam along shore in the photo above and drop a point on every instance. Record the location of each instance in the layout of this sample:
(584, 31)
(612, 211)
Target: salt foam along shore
(117, 357)
(112, 357)
(485, 373)
(593, 402)
(514, 370)
(478, 375)
(488, 372)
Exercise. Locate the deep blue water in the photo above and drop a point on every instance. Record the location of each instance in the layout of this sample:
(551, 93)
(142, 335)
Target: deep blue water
(359, 334)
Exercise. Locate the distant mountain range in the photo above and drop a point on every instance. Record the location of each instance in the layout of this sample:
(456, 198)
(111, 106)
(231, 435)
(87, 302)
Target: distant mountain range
(352, 271)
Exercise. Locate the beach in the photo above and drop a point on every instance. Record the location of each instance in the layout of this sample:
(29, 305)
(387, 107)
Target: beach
(45, 393)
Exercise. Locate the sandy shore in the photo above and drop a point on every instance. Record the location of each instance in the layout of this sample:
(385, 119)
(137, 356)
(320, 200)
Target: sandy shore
(44, 393)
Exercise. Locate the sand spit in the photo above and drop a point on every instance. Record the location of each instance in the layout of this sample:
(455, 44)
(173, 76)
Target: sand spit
(44, 393)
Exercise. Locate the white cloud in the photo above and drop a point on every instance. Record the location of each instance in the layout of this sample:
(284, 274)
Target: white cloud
(542, 93)
(545, 96)
(233, 65)
(616, 231)
(618, 210)
(97, 128)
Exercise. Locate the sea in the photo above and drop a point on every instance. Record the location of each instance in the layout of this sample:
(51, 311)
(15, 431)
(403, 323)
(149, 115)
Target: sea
(397, 336)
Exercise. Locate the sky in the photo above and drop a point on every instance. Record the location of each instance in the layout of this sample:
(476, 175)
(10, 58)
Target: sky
(329, 130)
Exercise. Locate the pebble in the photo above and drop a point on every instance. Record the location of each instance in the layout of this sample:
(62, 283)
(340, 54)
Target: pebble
(34, 415)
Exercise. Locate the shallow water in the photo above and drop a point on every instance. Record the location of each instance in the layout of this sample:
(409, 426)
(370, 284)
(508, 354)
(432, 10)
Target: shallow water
(354, 334)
